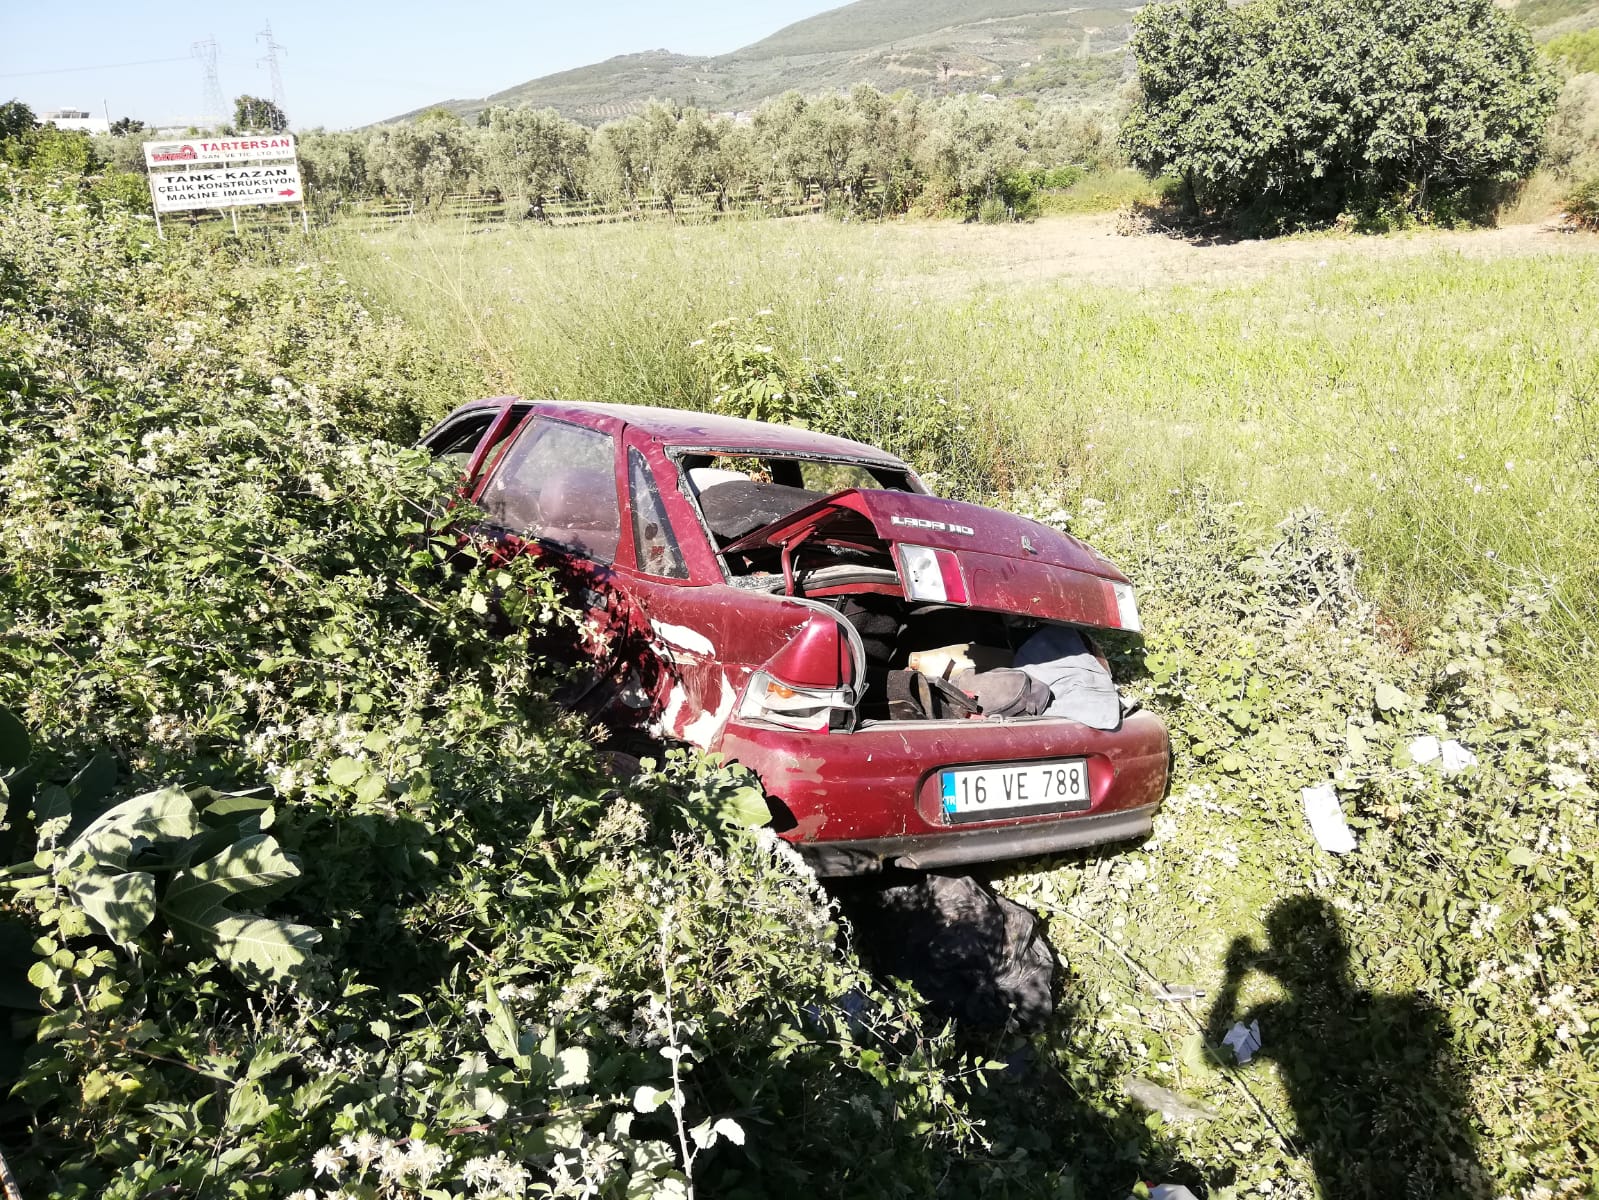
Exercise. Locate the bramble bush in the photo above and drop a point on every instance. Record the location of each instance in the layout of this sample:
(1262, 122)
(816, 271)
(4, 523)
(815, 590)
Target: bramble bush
(895, 407)
(314, 890)
(1474, 893)
(1582, 203)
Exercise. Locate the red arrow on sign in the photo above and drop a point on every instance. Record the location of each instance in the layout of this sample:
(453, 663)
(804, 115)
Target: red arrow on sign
(286, 192)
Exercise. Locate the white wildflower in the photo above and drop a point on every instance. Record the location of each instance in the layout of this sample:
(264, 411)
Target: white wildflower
(424, 1161)
(328, 1161)
(366, 1149)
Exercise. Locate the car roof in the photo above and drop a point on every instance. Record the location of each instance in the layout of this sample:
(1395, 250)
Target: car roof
(685, 427)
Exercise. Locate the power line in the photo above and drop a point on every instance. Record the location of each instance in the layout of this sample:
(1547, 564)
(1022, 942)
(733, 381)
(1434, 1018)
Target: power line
(147, 62)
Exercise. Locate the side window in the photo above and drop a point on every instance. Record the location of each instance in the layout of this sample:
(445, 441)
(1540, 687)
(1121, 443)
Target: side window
(455, 443)
(558, 484)
(652, 534)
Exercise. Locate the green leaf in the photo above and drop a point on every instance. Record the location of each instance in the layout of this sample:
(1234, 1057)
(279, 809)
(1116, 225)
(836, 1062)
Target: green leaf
(121, 903)
(371, 789)
(235, 807)
(572, 1067)
(195, 906)
(248, 1106)
(94, 865)
(346, 772)
(273, 950)
(1391, 699)
(746, 808)
(647, 1099)
(503, 1036)
(112, 837)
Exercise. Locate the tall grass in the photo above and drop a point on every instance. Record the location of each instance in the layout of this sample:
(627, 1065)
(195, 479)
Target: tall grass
(1442, 406)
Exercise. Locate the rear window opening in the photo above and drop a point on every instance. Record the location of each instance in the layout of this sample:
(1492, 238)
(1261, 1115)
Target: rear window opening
(739, 494)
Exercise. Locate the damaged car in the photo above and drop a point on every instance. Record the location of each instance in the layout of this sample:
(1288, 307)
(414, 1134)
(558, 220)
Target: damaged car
(915, 680)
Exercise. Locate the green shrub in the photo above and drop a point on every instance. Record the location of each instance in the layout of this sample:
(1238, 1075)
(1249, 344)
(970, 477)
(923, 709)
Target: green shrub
(1289, 114)
(1582, 203)
(994, 211)
(1578, 52)
(122, 188)
(1469, 895)
(923, 421)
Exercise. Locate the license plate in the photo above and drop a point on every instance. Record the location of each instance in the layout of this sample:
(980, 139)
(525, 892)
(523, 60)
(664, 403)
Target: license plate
(992, 793)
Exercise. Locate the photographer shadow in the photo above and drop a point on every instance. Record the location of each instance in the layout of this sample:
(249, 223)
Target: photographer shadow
(1378, 1097)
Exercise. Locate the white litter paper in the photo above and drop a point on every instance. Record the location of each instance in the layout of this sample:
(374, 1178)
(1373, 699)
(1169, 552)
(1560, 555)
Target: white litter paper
(1456, 758)
(1424, 749)
(1244, 1039)
(1327, 819)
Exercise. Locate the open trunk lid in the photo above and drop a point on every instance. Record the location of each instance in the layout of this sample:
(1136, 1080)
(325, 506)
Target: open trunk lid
(949, 552)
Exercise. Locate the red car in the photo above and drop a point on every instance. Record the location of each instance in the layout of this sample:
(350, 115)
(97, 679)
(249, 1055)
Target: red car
(801, 604)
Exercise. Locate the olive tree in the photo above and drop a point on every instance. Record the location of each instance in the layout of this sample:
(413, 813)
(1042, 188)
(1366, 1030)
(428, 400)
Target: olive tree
(892, 130)
(972, 146)
(532, 154)
(729, 166)
(424, 160)
(335, 164)
(255, 114)
(782, 156)
(618, 166)
(1303, 109)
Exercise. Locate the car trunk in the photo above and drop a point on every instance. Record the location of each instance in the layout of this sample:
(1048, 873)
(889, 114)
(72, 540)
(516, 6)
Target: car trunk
(932, 586)
(929, 550)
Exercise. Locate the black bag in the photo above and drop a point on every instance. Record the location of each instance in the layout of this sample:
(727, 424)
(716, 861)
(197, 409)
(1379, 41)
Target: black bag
(913, 696)
(1004, 692)
(973, 954)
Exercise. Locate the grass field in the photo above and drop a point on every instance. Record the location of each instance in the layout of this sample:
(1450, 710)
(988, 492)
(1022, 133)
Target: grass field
(1434, 393)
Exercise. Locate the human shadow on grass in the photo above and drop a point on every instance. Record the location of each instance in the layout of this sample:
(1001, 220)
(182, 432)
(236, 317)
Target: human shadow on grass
(1378, 1098)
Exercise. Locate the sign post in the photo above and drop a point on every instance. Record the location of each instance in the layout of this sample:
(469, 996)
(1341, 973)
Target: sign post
(224, 173)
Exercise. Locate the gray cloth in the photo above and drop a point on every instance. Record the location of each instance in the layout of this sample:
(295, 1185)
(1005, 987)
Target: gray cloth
(1080, 688)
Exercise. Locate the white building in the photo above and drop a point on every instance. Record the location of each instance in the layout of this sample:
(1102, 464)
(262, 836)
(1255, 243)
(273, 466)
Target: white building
(75, 118)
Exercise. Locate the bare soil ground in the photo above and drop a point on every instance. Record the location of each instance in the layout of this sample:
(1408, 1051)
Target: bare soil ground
(946, 259)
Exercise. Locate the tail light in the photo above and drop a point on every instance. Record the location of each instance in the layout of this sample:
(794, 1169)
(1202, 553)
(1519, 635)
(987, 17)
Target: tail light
(806, 683)
(1126, 607)
(932, 575)
(770, 699)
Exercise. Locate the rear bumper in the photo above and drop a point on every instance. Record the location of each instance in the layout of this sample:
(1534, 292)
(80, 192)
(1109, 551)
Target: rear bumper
(978, 845)
(854, 802)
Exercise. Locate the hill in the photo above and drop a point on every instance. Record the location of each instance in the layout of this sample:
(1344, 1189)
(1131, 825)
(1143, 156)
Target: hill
(1073, 53)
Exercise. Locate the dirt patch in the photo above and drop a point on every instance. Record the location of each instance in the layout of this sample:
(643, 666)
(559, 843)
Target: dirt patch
(947, 259)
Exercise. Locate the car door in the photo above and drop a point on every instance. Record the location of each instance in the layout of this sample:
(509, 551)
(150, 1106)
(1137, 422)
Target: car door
(553, 492)
(469, 436)
(678, 684)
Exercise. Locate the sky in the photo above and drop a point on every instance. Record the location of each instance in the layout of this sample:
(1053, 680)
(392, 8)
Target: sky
(344, 64)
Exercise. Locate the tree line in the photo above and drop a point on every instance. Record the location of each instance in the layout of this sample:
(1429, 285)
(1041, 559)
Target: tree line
(866, 153)
(1265, 116)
